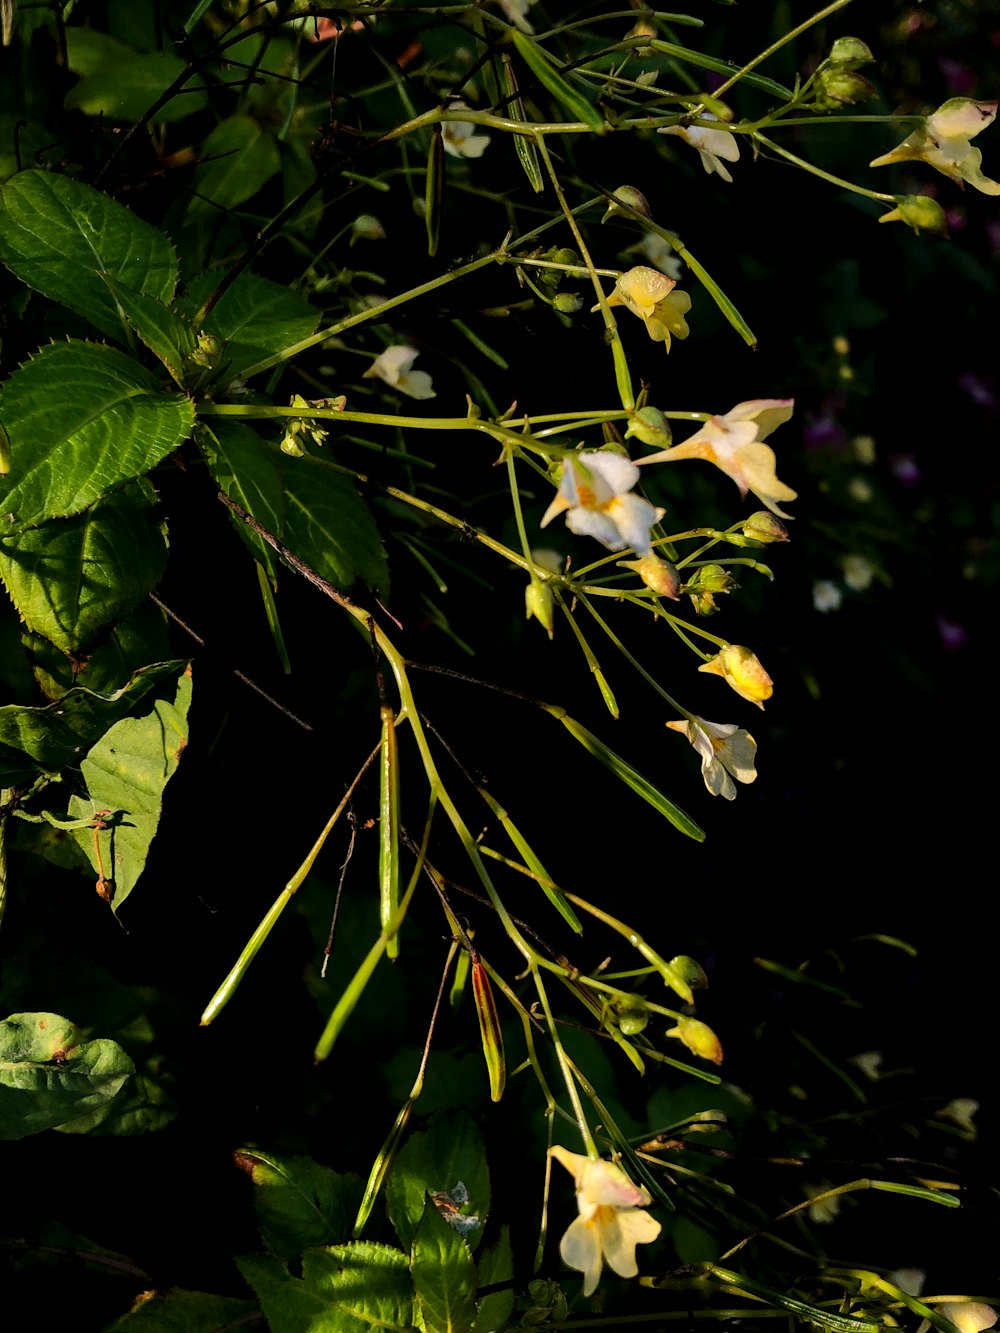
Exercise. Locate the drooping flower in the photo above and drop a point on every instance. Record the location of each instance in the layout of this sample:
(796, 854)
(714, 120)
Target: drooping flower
(650, 295)
(593, 491)
(393, 366)
(459, 137)
(724, 749)
(741, 669)
(942, 141)
(711, 145)
(733, 442)
(611, 1221)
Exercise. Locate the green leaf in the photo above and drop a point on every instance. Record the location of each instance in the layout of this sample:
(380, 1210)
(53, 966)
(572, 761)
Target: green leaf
(179, 1311)
(127, 771)
(305, 502)
(166, 335)
(354, 1288)
(298, 1202)
(142, 1106)
(83, 418)
(496, 1267)
(58, 735)
(47, 1078)
(433, 1161)
(238, 158)
(121, 83)
(58, 236)
(72, 577)
(443, 1274)
(541, 65)
(254, 317)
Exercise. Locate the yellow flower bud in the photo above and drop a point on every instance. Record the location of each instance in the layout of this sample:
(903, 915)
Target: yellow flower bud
(659, 575)
(538, 603)
(920, 212)
(741, 669)
(765, 527)
(651, 427)
(699, 1038)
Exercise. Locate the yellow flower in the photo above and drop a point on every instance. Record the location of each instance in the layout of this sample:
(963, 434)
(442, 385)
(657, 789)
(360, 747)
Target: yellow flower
(724, 748)
(942, 141)
(733, 443)
(393, 366)
(650, 295)
(711, 145)
(594, 490)
(611, 1221)
(741, 669)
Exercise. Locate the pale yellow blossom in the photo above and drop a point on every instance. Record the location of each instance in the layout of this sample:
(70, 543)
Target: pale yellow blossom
(650, 295)
(724, 749)
(942, 141)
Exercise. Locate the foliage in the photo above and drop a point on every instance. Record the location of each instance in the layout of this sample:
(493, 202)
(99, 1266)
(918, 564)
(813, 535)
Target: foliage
(228, 236)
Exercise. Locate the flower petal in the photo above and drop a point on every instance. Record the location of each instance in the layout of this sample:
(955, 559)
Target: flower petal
(580, 1248)
(607, 1184)
(597, 524)
(620, 1237)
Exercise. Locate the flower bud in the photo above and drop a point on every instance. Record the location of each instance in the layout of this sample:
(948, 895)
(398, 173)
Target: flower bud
(538, 603)
(659, 575)
(742, 671)
(633, 198)
(567, 303)
(765, 527)
(632, 1015)
(699, 1038)
(851, 52)
(366, 227)
(920, 212)
(651, 427)
(837, 85)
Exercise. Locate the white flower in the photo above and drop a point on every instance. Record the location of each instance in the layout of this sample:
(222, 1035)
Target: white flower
(822, 1210)
(826, 595)
(393, 366)
(733, 442)
(611, 1221)
(514, 11)
(594, 490)
(910, 1280)
(366, 227)
(942, 141)
(711, 145)
(724, 748)
(969, 1316)
(459, 137)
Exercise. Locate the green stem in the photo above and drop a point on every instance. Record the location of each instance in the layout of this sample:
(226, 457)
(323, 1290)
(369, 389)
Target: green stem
(777, 45)
(823, 175)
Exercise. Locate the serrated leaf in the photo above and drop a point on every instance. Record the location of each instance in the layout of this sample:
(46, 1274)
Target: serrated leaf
(238, 158)
(127, 771)
(254, 317)
(298, 1202)
(444, 1275)
(83, 419)
(72, 577)
(47, 1077)
(305, 502)
(179, 1311)
(56, 736)
(122, 83)
(354, 1288)
(166, 335)
(59, 235)
(433, 1161)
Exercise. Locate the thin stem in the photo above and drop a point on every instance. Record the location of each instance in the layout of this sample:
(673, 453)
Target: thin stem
(823, 175)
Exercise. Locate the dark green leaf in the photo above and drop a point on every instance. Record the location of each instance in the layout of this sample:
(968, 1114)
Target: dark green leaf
(305, 502)
(47, 1078)
(71, 577)
(443, 1274)
(254, 317)
(127, 771)
(238, 158)
(142, 1106)
(496, 1266)
(450, 1150)
(58, 735)
(180, 1311)
(166, 335)
(298, 1202)
(121, 83)
(58, 236)
(83, 419)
